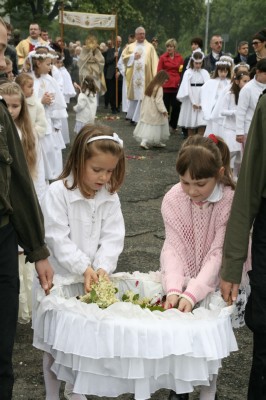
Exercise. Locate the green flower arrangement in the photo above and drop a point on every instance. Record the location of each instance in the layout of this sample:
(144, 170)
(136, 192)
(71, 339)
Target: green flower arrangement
(145, 302)
(104, 293)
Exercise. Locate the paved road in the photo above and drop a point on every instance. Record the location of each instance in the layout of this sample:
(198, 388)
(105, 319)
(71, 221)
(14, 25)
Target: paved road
(150, 174)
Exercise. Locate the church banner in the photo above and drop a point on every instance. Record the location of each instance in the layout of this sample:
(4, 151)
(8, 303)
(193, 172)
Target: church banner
(88, 21)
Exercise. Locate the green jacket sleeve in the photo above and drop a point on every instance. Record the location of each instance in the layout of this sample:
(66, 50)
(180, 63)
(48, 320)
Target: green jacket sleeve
(19, 199)
(251, 187)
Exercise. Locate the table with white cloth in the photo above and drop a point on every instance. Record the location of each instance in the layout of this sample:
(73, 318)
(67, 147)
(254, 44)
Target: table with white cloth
(128, 349)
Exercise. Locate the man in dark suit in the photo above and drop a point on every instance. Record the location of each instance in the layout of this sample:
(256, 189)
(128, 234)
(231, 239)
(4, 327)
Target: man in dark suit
(242, 52)
(216, 45)
(10, 51)
(114, 88)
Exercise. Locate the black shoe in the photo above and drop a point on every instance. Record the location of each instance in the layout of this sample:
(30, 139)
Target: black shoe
(114, 112)
(174, 396)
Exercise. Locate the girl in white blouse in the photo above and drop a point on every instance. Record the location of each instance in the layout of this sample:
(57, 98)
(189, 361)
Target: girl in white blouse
(83, 220)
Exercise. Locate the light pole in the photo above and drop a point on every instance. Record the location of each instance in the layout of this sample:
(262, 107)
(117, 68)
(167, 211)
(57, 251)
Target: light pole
(207, 2)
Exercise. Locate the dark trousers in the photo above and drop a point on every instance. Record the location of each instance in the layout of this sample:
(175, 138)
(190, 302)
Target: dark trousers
(255, 314)
(172, 104)
(111, 89)
(9, 292)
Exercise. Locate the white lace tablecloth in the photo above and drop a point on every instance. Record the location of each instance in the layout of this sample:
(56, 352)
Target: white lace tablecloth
(127, 349)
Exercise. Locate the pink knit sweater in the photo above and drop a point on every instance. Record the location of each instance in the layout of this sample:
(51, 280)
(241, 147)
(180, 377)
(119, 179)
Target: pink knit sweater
(191, 257)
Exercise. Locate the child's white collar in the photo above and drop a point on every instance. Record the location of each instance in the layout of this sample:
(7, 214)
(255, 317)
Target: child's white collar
(216, 194)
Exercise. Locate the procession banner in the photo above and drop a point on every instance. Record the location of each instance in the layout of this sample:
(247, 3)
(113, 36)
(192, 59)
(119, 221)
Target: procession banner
(88, 21)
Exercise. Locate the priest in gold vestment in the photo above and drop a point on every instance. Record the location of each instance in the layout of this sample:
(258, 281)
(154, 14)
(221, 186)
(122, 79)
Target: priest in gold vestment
(140, 60)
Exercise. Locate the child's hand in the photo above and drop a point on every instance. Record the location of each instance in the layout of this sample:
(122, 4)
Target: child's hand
(89, 276)
(184, 305)
(165, 114)
(46, 99)
(103, 273)
(171, 301)
(240, 138)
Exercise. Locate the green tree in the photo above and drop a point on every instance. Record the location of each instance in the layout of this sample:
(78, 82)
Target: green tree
(240, 19)
(162, 18)
(24, 12)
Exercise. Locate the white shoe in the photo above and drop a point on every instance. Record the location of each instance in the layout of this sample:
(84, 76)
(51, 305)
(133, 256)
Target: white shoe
(143, 145)
(77, 396)
(68, 394)
(159, 145)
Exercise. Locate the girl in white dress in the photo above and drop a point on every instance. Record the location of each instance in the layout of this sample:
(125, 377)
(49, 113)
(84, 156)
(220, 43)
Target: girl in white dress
(210, 93)
(84, 226)
(241, 67)
(17, 106)
(39, 125)
(228, 111)
(67, 89)
(153, 128)
(47, 90)
(191, 116)
(86, 106)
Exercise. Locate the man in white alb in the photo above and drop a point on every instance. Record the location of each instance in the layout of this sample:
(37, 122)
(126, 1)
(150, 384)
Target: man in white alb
(140, 60)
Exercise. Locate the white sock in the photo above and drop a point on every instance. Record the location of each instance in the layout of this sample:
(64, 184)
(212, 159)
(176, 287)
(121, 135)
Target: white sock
(208, 392)
(76, 396)
(52, 384)
(73, 396)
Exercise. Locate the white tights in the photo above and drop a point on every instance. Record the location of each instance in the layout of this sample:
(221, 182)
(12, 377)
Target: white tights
(52, 384)
(208, 392)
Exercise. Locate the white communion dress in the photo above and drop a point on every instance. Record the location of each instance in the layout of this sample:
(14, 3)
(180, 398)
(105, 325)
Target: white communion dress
(127, 349)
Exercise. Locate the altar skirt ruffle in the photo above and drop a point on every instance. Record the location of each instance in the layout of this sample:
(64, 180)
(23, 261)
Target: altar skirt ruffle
(125, 348)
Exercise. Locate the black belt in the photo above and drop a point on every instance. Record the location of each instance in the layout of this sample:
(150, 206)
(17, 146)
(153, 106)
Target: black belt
(196, 84)
(4, 220)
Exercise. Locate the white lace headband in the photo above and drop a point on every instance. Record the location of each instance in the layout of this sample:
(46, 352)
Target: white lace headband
(223, 63)
(241, 65)
(227, 58)
(34, 54)
(197, 51)
(115, 138)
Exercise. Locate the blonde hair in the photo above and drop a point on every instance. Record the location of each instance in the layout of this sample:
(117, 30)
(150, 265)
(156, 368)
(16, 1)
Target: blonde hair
(203, 158)
(23, 78)
(82, 151)
(171, 42)
(23, 122)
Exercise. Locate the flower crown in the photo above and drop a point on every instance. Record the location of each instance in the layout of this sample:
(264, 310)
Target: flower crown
(241, 65)
(223, 63)
(43, 56)
(197, 51)
(227, 59)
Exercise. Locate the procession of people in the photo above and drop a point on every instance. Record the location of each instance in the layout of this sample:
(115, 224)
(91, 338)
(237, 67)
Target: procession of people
(65, 216)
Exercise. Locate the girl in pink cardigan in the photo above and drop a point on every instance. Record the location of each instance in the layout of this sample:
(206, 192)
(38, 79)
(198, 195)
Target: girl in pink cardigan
(195, 214)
